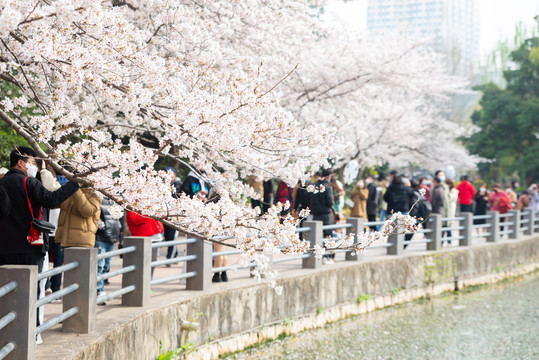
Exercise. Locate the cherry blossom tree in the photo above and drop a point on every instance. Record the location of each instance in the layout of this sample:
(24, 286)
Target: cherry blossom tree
(388, 94)
(230, 87)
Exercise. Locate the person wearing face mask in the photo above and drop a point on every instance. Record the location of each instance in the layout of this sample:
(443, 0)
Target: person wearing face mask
(481, 205)
(447, 193)
(16, 246)
(359, 195)
(20, 181)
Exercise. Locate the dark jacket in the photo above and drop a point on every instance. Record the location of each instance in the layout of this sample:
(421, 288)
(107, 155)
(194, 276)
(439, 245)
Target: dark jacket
(437, 200)
(191, 186)
(321, 203)
(302, 198)
(177, 185)
(373, 200)
(110, 227)
(268, 191)
(398, 198)
(5, 204)
(14, 227)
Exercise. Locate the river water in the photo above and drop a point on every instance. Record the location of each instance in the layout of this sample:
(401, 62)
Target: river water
(500, 321)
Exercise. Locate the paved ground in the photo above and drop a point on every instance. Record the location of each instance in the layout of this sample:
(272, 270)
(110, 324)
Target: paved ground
(60, 345)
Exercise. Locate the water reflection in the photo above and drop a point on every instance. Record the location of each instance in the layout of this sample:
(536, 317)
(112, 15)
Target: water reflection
(496, 322)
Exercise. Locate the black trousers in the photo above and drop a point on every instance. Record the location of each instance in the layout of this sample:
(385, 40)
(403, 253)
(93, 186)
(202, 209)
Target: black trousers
(371, 218)
(170, 234)
(25, 259)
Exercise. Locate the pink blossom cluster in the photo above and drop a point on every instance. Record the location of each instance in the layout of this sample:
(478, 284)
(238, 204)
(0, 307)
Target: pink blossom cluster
(232, 87)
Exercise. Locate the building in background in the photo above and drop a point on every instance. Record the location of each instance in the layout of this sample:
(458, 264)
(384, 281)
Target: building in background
(453, 26)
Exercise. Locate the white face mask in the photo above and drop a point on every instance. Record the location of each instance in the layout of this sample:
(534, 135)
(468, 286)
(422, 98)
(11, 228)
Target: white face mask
(442, 178)
(31, 170)
(368, 181)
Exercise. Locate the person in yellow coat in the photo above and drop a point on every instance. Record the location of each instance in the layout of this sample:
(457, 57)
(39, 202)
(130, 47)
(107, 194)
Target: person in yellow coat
(359, 196)
(79, 219)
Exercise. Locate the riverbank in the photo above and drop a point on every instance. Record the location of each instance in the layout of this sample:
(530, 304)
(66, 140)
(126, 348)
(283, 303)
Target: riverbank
(495, 321)
(347, 290)
(231, 316)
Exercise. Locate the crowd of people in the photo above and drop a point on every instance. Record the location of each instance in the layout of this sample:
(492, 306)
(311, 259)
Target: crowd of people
(375, 198)
(42, 213)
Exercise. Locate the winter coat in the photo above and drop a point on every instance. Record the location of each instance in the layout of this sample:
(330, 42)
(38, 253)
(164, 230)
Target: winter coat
(481, 204)
(466, 192)
(359, 196)
(79, 216)
(50, 183)
(454, 198)
(373, 200)
(523, 201)
(499, 201)
(283, 194)
(193, 184)
(321, 202)
(15, 223)
(141, 225)
(5, 204)
(302, 198)
(109, 228)
(398, 198)
(257, 186)
(437, 200)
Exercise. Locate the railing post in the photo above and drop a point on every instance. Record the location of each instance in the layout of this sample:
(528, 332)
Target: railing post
(467, 233)
(515, 228)
(85, 275)
(357, 227)
(435, 224)
(397, 247)
(202, 265)
(531, 219)
(142, 259)
(22, 301)
(315, 237)
(494, 228)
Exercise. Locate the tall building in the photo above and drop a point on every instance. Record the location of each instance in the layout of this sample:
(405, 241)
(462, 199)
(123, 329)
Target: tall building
(453, 26)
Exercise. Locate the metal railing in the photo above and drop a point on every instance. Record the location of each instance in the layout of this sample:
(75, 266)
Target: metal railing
(66, 314)
(80, 299)
(176, 260)
(7, 319)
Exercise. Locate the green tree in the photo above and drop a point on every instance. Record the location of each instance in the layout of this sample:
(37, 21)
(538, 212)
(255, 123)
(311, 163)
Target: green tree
(8, 137)
(508, 120)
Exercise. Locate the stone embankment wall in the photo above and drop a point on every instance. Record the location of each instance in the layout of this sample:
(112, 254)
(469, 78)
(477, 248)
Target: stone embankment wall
(219, 322)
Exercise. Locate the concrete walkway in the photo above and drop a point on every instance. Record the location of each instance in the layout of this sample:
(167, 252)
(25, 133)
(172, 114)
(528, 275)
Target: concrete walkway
(60, 345)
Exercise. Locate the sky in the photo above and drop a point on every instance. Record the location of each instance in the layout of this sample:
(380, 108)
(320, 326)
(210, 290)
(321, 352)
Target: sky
(497, 18)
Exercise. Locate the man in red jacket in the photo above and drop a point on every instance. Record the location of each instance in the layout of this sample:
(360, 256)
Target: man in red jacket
(466, 194)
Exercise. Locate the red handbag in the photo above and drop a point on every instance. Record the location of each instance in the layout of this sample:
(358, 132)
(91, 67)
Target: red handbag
(35, 237)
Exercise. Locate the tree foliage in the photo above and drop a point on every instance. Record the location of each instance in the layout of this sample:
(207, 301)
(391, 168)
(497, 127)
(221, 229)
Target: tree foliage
(230, 87)
(9, 139)
(508, 121)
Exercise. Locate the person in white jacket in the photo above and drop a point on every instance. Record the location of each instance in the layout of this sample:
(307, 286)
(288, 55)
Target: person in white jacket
(453, 203)
(50, 183)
